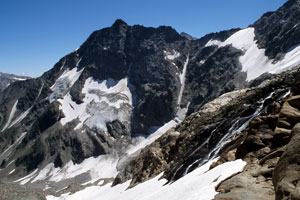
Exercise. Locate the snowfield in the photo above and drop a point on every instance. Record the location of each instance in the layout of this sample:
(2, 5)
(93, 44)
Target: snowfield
(104, 102)
(254, 61)
(199, 184)
(101, 167)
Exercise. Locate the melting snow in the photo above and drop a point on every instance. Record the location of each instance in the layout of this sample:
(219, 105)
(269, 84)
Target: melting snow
(199, 184)
(254, 61)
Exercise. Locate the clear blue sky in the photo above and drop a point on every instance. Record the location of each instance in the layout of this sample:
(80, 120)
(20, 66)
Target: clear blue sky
(35, 34)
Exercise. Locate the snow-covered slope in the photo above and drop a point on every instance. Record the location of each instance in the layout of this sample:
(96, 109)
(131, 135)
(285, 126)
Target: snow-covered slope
(200, 184)
(254, 61)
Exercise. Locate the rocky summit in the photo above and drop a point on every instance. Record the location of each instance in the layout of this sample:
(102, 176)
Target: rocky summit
(147, 113)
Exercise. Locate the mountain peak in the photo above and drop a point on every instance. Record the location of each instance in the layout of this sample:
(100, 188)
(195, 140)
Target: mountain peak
(119, 22)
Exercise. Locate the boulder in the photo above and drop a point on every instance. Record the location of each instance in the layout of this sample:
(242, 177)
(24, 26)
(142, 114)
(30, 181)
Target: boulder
(286, 175)
(289, 112)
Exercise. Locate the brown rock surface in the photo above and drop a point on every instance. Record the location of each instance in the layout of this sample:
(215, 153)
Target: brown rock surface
(286, 176)
(254, 183)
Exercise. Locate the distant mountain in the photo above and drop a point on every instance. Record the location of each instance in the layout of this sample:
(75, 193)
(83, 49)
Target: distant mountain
(7, 79)
(101, 115)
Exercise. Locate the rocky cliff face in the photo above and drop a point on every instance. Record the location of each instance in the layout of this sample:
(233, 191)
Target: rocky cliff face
(277, 32)
(125, 82)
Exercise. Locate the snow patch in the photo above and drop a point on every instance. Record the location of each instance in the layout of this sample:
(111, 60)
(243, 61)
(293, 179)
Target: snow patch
(213, 43)
(20, 118)
(7, 151)
(26, 179)
(143, 142)
(199, 184)
(103, 166)
(11, 115)
(202, 62)
(182, 79)
(19, 79)
(171, 55)
(11, 162)
(254, 61)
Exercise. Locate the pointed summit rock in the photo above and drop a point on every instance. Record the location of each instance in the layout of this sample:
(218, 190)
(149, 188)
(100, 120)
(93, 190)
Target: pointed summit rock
(119, 22)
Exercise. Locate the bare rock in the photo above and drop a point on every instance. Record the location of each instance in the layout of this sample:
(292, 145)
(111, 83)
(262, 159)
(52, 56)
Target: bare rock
(287, 172)
(253, 183)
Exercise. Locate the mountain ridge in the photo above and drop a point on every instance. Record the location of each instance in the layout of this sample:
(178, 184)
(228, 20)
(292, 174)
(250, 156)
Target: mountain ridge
(7, 79)
(126, 85)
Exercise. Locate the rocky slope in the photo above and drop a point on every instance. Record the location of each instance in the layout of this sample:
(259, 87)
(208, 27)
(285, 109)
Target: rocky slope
(7, 79)
(98, 104)
(269, 146)
(202, 135)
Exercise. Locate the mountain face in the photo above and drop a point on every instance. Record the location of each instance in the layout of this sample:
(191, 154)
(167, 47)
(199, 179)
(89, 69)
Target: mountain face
(7, 79)
(103, 111)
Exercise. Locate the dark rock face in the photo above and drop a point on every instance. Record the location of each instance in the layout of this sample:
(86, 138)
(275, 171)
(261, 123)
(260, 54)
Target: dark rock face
(278, 32)
(204, 83)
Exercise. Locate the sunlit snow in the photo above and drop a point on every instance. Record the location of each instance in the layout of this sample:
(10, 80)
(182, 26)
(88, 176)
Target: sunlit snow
(199, 184)
(254, 61)
(182, 79)
(11, 115)
(103, 166)
(104, 102)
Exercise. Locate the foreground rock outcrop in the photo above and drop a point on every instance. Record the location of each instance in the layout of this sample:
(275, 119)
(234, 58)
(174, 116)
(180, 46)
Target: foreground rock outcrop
(287, 171)
(270, 146)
